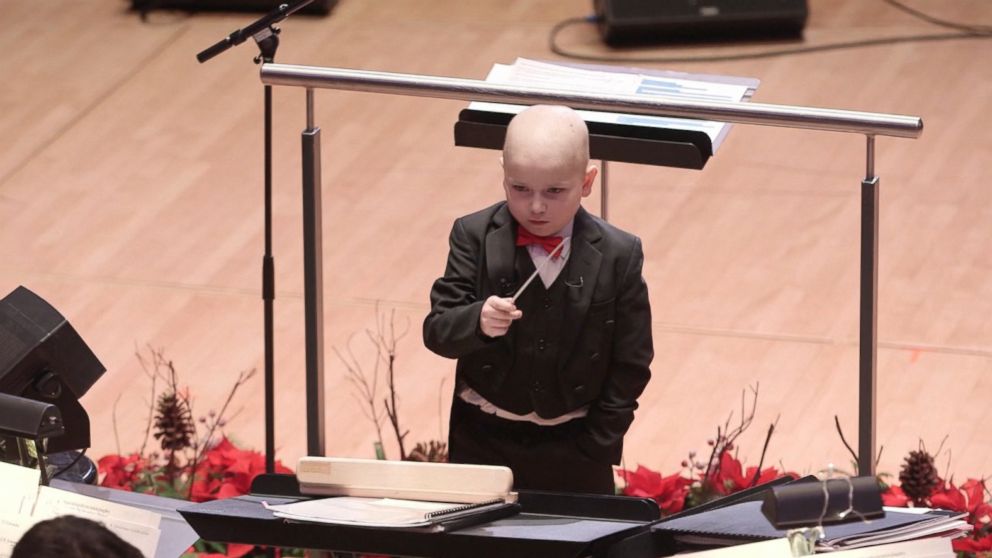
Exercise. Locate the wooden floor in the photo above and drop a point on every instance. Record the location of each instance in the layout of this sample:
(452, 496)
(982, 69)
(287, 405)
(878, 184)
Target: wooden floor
(131, 199)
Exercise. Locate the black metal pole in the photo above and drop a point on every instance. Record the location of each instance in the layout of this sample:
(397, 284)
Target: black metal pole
(868, 337)
(313, 283)
(266, 36)
(268, 296)
(267, 44)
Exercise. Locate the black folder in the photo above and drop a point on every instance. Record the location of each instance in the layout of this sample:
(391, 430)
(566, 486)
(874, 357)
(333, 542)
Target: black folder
(535, 531)
(625, 143)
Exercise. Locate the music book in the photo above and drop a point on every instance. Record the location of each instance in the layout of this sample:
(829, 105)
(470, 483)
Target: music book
(744, 522)
(933, 547)
(399, 494)
(390, 512)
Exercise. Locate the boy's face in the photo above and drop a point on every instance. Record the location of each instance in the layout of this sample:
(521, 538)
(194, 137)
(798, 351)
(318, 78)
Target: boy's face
(544, 196)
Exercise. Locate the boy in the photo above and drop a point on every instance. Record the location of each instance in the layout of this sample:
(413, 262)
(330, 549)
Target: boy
(546, 385)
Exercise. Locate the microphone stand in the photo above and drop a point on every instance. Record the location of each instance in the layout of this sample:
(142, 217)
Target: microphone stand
(266, 36)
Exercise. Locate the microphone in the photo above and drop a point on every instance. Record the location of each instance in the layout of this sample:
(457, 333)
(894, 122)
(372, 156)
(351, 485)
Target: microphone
(259, 27)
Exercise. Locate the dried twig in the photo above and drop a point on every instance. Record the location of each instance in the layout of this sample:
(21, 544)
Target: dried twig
(113, 420)
(850, 450)
(386, 349)
(768, 438)
(368, 401)
(200, 445)
(726, 439)
(157, 360)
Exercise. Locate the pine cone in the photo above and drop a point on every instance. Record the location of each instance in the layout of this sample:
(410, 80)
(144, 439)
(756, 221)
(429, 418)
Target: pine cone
(919, 476)
(174, 426)
(434, 452)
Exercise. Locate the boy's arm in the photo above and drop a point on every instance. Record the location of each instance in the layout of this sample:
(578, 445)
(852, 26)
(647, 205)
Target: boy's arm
(610, 415)
(451, 329)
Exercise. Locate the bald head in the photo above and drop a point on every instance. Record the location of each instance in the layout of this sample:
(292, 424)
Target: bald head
(546, 170)
(549, 136)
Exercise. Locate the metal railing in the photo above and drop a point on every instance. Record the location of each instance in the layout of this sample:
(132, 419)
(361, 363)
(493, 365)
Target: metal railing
(868, 124)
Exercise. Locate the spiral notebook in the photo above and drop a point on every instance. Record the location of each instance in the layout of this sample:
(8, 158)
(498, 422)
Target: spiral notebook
(391, 512)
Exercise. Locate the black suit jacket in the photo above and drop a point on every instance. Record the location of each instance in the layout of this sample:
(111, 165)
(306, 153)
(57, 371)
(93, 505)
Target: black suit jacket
(606, 347)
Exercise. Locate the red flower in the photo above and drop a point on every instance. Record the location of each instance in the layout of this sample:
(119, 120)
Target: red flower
(983, 544)
(970, 499)
(974, 491)
(236, 550)
(122, 472)
(895, 497)
(226, 471)
(669, 492)
(948, 497)
(730, 478)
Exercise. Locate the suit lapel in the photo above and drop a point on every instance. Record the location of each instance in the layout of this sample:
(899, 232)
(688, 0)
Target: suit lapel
(581, 274)
(500, 253)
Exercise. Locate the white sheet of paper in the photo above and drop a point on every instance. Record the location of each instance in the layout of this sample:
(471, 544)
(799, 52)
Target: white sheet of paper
(361, 511)
(775, 548)
(53, 502)
(933, 547)
(19, 486)
(135, 525)
(142, 537)
(561, 76)
(12, 527)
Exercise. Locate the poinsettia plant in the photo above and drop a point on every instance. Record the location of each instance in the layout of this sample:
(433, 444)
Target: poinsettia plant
(196, 460)
(922, 486)
(700, 481)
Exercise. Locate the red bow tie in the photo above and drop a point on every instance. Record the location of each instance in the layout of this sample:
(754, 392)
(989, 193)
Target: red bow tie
(549, 243)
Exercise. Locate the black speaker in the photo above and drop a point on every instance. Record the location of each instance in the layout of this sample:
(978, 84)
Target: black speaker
(627, 22)
(43, 358)
(317, 7)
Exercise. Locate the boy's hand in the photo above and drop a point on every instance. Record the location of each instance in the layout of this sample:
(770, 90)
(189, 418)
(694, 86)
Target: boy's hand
(497, 315)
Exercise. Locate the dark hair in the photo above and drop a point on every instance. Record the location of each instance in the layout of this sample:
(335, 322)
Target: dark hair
(72, 537)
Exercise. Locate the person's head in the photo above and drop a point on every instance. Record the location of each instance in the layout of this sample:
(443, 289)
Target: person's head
(546, 170)
(68, 536)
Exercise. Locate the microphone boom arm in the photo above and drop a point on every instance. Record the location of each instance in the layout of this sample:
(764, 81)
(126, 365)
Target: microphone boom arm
(259, 26)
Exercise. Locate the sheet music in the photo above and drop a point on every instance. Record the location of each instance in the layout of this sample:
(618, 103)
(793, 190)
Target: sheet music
(25, 503)
(19, 486)
(136, 526)
(673, 85)
(12, 528)
(376, 512)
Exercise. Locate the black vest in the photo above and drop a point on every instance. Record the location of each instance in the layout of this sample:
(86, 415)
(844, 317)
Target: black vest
(531, 384)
